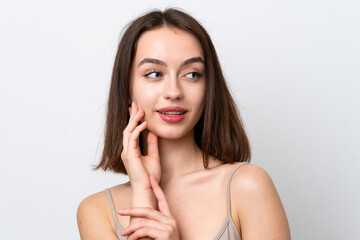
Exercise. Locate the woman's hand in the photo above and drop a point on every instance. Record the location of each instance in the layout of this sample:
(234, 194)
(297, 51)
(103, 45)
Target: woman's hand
(160, 225)
(139, 167)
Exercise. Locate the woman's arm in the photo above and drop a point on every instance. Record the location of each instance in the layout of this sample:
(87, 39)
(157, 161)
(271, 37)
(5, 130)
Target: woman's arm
(138, 166)
(257, 205)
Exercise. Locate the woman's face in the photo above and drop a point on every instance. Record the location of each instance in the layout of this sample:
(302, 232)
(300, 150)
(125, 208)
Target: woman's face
(168, 81)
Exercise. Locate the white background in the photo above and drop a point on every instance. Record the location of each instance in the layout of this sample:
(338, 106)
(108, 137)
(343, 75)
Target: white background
(293, 67)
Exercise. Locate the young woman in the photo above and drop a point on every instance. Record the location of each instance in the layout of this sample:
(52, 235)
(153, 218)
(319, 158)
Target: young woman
(173, 128)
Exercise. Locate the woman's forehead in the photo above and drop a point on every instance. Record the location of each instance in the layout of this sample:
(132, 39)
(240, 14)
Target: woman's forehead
(168, 45)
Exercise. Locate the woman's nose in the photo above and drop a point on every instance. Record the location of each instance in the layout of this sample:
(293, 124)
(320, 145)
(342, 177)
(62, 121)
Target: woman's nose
(172, 89)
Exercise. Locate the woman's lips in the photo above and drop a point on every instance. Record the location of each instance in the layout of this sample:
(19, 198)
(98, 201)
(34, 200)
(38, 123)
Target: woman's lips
(172, 114)
(172, 118)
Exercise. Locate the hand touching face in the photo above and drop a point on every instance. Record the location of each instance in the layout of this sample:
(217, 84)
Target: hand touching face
(139, 167)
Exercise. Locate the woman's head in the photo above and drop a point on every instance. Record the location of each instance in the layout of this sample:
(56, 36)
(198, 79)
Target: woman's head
(219, 131)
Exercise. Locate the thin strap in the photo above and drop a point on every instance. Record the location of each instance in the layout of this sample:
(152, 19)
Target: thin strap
(228, 204)
(118, 227)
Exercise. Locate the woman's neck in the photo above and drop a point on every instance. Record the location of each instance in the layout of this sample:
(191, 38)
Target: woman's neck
(178, 157)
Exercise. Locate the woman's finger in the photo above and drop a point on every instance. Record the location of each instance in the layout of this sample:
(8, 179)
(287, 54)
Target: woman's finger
(153, 233)
(153, 148)
(160, 196)
(135, 119)
(133, 112)
(144, 212)
(134, 137)
(143, 223)
(134, 108)
(133, 123)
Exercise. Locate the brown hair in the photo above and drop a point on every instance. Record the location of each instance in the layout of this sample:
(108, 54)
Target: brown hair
(219, 132)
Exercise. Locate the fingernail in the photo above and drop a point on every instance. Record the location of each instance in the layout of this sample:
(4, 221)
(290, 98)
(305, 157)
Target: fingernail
(122, 210)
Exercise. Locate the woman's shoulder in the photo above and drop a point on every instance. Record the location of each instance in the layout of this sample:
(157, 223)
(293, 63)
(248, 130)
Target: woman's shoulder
(247, 174)
(255, 202)
(94, 212)
(251, 177)
(99, 201)
(250, 182)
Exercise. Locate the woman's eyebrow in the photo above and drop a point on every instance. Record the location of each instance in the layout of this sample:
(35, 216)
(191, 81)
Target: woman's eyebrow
(159, 62)
(152, 60)
(193, 60)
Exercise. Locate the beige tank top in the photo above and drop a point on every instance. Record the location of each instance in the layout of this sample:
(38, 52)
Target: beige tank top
(228, 230)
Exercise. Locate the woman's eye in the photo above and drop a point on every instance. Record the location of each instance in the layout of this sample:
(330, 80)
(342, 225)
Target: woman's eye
(153, 75)
(193, 75)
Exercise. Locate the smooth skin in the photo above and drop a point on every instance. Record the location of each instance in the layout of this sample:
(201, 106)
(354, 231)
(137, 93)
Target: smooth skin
(188, 202)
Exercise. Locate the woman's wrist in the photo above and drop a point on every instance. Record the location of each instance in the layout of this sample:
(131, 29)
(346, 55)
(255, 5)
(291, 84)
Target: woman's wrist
(143, 198)
(140, 187)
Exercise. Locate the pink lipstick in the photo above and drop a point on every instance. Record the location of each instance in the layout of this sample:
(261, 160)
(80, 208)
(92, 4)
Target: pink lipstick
(172, 114)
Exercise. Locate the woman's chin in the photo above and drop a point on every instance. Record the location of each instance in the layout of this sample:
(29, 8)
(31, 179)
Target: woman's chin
(170, 134)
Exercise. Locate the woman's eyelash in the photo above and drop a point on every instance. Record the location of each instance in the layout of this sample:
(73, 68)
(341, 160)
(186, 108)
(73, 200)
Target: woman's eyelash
(154, 72)
(197, 74)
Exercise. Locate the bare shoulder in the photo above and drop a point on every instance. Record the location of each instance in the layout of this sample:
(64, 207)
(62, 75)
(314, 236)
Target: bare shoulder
(250, 177)
(94, 215)
(256, 205)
